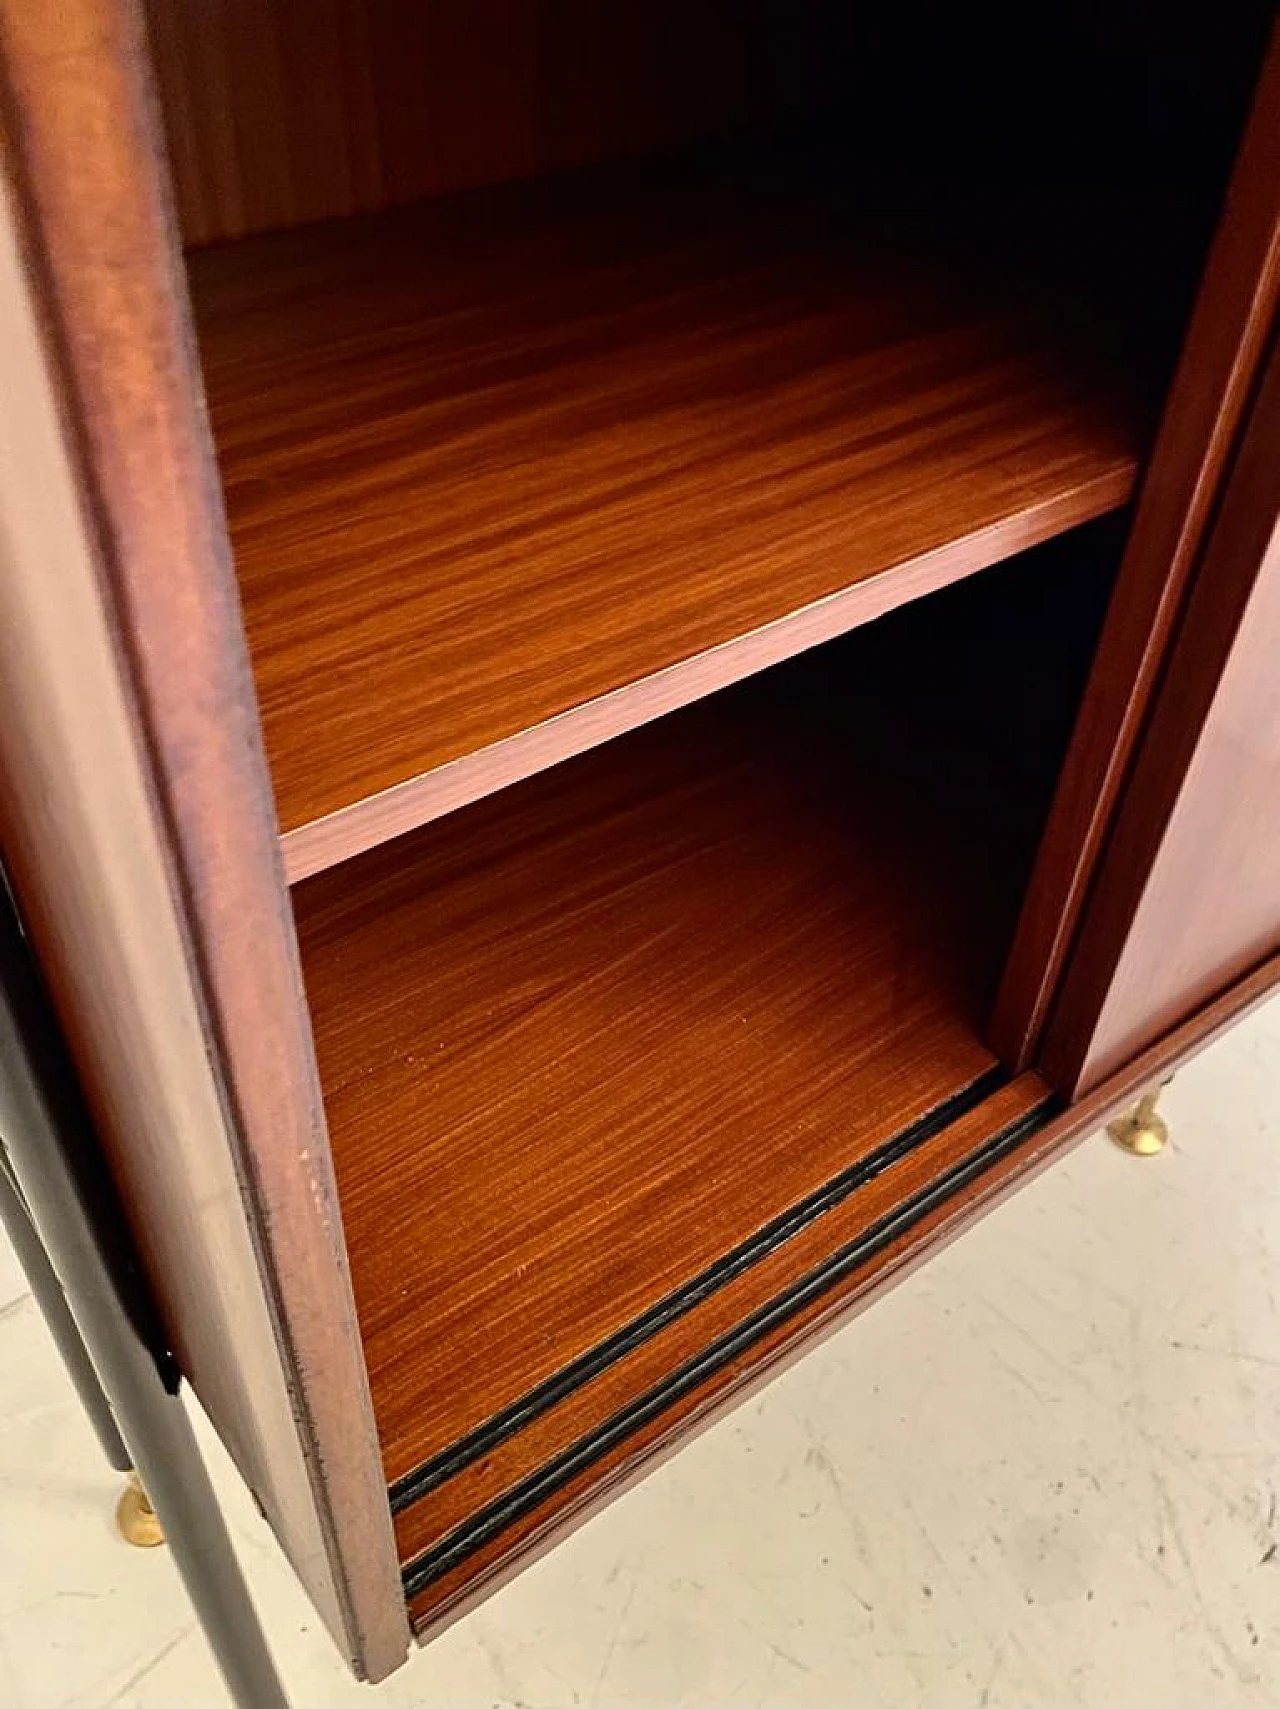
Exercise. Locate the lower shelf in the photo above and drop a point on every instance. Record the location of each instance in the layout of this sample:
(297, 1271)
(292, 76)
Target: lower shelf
(485, 1525)
(620, 1062)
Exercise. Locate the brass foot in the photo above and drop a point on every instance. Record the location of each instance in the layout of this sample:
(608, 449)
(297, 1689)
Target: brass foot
(1142, 1131)
(136, 1517)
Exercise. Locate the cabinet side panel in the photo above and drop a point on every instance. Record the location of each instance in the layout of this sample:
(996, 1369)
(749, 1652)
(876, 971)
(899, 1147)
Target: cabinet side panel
(83, 852)
(1218, 369)
(1188, 896)
(139, 821)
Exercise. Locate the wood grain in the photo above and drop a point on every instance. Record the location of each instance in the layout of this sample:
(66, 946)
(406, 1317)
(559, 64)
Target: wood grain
(445, 1601)
(503, 480)
(1225, 345)
(688, 1412)
(1188, 898)
(280, 112)
(136, 814)
(551, 1027)
(448, 1522)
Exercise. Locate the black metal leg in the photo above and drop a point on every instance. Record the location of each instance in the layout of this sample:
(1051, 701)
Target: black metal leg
(16, 1221)
(152, 1420)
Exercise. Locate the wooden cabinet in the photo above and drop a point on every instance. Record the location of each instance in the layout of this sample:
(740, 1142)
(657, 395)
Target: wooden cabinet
(635, 670)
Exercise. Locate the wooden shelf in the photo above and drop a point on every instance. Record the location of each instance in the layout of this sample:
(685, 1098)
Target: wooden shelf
(515, 472)
(582, 1040)
(472, 1530)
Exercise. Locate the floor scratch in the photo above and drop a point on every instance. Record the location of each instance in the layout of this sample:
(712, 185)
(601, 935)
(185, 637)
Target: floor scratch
(1243, 1672)
(148, 1667)
(619, 1623)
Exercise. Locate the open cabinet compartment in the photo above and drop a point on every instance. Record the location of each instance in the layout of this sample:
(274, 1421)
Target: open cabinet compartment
(563, 375)
(692, 351)
(621, 1055)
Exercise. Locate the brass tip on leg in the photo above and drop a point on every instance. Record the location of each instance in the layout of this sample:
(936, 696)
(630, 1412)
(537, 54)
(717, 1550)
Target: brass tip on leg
(1142, 1132)
(136, 1517)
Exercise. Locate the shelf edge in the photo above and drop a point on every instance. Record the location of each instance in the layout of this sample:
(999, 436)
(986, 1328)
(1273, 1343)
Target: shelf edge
(313, 847)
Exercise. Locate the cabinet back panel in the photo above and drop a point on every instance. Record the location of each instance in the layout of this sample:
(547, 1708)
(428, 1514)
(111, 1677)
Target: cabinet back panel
(280, 112)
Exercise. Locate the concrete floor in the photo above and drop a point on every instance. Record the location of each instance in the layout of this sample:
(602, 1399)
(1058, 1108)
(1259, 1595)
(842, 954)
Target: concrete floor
(1043, 1472)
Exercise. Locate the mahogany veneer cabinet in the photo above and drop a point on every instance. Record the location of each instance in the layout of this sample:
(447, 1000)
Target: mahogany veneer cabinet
(639, 665)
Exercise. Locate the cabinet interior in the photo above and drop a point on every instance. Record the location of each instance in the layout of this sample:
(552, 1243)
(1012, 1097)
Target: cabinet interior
(676, 458)
(653, 344)
(597, 1049)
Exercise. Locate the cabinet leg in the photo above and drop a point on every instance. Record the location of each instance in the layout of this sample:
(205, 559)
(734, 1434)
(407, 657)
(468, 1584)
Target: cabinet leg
(1142, 1131)
(40, 1132)
(46, 1290)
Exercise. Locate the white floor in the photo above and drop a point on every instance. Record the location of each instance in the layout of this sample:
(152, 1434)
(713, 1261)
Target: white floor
(1044, 1472)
